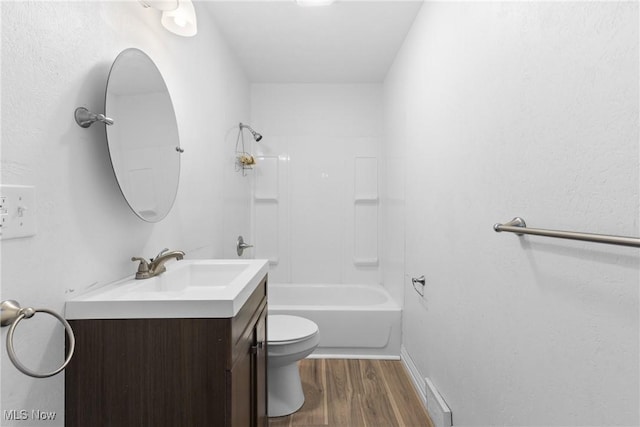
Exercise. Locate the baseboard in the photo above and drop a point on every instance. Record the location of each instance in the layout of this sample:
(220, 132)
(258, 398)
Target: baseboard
(414, 373)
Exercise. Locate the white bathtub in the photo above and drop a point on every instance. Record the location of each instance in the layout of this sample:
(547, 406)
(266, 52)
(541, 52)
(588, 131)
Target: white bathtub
(355, 321)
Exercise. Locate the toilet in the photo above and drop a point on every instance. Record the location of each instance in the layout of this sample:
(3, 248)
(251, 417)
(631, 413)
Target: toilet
(289, 339)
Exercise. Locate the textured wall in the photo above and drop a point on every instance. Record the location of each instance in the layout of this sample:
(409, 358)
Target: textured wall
(55, 57)
(529, 109)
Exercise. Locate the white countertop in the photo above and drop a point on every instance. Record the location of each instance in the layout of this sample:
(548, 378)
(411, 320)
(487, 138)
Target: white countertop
(201, 288)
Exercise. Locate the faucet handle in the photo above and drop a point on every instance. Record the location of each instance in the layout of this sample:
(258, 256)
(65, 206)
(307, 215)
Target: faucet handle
(160, 254)
(143, 267)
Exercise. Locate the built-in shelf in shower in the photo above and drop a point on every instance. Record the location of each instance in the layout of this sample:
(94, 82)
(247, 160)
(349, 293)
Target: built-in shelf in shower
(366, 199)
(266, 182)
(363, 262)
(267, 209)
(365, 212)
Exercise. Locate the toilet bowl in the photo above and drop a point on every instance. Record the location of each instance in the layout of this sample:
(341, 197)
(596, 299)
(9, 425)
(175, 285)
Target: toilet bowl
(289, 339)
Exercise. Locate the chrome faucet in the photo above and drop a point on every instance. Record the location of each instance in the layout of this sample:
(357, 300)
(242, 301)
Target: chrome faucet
(155, 266)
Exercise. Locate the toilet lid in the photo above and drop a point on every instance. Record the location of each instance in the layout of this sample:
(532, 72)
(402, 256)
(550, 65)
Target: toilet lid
(282, 327)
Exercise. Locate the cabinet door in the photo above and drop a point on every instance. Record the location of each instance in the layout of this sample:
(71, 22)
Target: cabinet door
(260, 371)
(241, 384)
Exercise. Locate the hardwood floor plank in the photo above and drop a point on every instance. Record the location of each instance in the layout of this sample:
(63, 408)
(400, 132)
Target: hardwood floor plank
(355, 376)
(377, 409)
(344, 407)
(314, 409)
(394, 406)
(356, 393)
(403, 395)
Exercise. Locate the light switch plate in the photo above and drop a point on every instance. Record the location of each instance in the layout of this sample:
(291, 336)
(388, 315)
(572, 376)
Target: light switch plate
(17, 211)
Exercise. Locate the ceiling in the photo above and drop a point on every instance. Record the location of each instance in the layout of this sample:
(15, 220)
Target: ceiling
(277, 41)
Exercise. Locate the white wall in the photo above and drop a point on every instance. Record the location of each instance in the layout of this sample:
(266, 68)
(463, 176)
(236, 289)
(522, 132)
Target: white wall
(316, 206)
(519, 108)
(56, 57)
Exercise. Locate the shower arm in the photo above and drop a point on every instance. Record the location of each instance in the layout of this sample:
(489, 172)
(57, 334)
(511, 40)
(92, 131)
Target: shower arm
(256, 136)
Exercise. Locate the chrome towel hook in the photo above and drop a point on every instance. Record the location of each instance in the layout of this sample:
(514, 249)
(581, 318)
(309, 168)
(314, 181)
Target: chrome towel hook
(11, 315)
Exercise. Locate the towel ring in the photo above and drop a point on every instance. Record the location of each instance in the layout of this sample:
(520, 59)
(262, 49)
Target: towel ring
(12, 314)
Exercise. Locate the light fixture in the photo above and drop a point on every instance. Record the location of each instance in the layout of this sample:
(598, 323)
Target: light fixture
(314, 2)
(178, 16)
(181, 21)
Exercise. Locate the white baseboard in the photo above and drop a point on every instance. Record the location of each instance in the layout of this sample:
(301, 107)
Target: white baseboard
(414, 373)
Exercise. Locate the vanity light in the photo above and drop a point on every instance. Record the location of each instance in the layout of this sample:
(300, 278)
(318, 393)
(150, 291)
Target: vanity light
(181, 21)
(178, 16)
(314, 2)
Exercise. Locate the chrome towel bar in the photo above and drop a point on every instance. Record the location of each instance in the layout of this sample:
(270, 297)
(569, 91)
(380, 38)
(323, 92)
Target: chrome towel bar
(518, 226)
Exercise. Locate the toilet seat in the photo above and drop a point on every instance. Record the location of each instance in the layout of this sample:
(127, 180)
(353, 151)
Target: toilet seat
(284, 329)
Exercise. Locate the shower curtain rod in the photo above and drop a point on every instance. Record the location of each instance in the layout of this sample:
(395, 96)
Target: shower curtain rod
(518, 226)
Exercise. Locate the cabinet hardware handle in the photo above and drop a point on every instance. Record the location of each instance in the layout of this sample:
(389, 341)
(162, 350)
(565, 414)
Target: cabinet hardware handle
(258, 346)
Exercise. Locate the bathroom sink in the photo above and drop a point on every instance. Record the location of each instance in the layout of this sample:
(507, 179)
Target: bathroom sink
(188, 289)
(193, 276)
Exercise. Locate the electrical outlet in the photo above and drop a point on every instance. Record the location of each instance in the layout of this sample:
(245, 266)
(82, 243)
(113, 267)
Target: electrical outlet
(17, 211)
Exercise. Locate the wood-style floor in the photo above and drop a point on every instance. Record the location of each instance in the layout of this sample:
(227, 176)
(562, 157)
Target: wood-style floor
(356, 393)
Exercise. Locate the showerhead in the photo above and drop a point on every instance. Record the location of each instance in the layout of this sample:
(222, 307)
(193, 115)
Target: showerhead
(256, 136)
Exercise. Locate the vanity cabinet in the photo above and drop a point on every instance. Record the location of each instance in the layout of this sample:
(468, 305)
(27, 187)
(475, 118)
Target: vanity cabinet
(247, 378)
(203, 372)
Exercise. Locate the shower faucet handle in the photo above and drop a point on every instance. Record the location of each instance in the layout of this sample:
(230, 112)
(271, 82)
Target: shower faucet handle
(241, 246)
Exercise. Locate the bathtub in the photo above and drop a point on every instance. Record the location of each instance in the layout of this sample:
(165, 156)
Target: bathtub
(355, 321)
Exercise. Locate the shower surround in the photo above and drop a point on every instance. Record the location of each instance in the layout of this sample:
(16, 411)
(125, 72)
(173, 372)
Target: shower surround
(316, 201)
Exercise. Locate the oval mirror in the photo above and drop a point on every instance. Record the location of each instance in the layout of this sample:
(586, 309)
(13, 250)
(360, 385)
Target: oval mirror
(144, 144)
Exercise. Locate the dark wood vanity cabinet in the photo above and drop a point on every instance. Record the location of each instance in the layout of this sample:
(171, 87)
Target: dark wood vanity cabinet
(247, 378)
(170, 372)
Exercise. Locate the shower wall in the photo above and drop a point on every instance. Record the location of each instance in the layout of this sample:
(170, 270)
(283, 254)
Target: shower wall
(315, 204)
